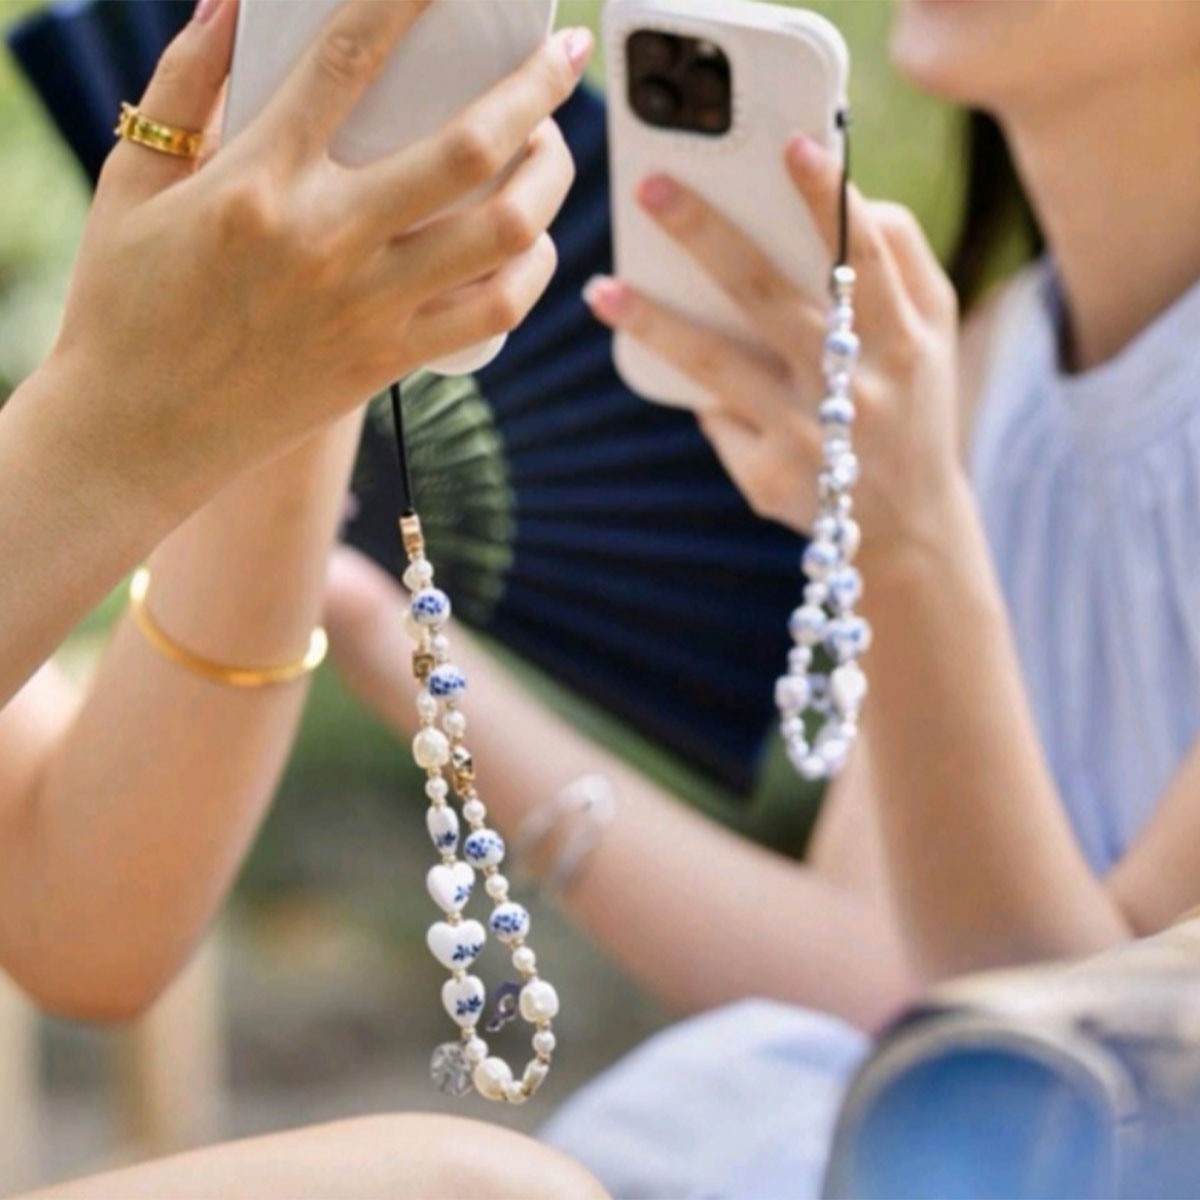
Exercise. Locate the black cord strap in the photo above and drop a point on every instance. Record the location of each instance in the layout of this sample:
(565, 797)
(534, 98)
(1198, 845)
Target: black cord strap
(843, 243)
(405, 477)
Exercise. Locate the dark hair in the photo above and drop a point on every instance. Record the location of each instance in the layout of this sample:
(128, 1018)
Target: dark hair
(998, 226)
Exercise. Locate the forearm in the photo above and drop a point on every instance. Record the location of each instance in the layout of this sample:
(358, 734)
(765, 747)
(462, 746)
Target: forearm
(695, 913)
(149, 801)
(984, 865)
(70, 524)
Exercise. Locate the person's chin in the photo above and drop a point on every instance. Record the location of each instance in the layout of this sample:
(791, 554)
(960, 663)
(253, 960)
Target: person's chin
(952, 48)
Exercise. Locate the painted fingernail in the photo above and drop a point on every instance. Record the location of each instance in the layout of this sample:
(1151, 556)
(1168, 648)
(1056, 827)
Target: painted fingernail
(205, 10)
(803, 152)
(659, 194)
(577, 45)
(608, 298)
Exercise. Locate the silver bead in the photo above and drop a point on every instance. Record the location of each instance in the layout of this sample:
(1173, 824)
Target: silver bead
(791, 693)
(807, 625)
(819, 559)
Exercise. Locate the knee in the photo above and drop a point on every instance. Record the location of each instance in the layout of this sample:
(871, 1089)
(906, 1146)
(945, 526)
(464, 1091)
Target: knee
(426, 1155)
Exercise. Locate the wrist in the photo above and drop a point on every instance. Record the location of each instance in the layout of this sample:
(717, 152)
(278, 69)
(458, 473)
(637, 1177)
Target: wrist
(939, 540)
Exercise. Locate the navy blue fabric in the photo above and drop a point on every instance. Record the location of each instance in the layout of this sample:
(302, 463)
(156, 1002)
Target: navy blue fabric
(638, 574)
(84, 58)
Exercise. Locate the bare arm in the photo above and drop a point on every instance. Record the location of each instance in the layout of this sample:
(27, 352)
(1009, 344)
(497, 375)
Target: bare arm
(695, 913)
(982, 863)
(219, 318)
(122, 824)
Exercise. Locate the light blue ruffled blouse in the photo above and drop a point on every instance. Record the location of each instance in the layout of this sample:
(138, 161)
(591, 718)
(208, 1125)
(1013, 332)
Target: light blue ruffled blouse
(1089, 486)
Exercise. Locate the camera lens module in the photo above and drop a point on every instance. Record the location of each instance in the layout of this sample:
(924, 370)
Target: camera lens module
(680, 83)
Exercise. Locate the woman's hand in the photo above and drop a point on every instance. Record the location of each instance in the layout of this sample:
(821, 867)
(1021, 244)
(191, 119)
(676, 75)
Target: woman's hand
(762, 416)
(219, 314)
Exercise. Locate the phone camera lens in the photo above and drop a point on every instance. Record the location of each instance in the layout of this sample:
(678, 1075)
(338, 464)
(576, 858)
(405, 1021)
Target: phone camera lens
(657, 101)
(653, 53)
(708, 86)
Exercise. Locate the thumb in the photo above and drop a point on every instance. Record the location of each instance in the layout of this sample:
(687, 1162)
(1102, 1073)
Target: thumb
(182, 93)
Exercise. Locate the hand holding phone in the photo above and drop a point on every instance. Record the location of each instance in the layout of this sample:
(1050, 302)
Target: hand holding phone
(455, 51)
(708, 92)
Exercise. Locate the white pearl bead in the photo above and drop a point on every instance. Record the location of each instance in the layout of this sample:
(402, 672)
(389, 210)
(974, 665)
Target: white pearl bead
(497, 887)
(539, 1001)
(475, 1051)
(799, 659)
(491, 1077)
(850, 538)
(544, 1042)
(475, 812)
(848, 687)
(535, 1075)
(515, 1093)
(440, 645)
(431, 748)
(455, 723)
(417, 574)
(437, 789)
(819, 559)
(524, 959)
(427, 706)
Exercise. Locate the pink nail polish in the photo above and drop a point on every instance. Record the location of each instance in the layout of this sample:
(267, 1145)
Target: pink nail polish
(607, 298)
(578, 46)
(658, 193)
(205, 10)
(803, 152)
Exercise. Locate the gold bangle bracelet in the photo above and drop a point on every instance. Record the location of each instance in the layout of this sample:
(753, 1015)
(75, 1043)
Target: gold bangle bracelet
(206, 668)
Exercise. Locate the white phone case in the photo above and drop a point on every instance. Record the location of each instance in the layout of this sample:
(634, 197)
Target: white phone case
(789, 69)
(455, 51)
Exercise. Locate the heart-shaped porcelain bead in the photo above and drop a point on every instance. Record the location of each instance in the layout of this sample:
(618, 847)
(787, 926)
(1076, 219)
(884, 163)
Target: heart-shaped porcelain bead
(463, 999)
(456, 947)
(442, 822)
(450, 886)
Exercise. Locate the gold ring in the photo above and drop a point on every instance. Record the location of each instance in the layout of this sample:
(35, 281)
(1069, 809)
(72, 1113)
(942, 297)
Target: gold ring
(166, 139)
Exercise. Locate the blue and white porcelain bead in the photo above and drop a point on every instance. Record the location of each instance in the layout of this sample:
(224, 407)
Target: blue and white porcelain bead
(509, 922)
(463, 999)
(819, 559)
(791, 693)
(825, 528)
(431, 607)
(483, 848)
(442, 822)
(445, 681)
(841, 350)
(845, 587)
(836, 413)
(848, 637)
(848, 688)
(807, 625)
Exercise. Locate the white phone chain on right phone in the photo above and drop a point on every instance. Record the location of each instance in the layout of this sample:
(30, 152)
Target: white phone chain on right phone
(819, 700)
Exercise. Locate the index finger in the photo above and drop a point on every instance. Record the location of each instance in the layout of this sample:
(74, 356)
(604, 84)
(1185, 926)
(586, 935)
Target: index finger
(475, 146)
(350, 51)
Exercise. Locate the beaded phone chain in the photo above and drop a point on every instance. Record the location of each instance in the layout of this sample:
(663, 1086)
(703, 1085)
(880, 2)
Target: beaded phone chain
(826, 619)
(456, 942)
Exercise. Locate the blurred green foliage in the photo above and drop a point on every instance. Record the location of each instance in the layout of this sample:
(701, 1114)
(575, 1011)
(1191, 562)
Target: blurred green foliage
(906, 147)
